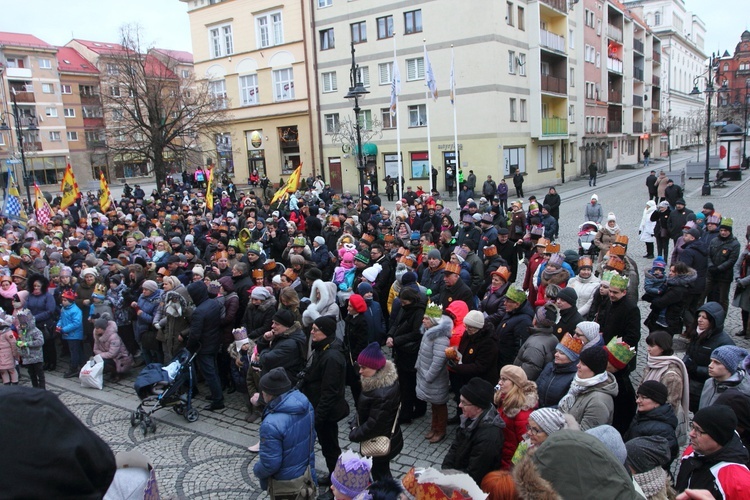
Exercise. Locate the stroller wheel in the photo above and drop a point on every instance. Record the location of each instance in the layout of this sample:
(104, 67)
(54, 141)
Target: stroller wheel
(135, 417)
(192, 415)
(152, 427)
(144, 428)
(179, 409)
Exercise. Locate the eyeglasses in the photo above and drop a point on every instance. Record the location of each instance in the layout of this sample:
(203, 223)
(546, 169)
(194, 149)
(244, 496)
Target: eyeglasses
(533, 430)
(463, 402)
(698, 431)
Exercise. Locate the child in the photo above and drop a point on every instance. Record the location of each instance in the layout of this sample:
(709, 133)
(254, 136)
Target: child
(30, 342)
(70, 325)
(655, 284)
(99, 303)
(8, 352)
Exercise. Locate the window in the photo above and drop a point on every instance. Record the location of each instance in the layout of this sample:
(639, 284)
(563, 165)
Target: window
(283, 84)
(599, 27)
(2, 139)
(332, 123)
(221, 42)
(521, 18)
(69, 112)
(114, 91)
(248, 90)
(50, 111)
(45, 63)
(385, 73)
(420, 165)
(522, 64)
(48, 88)
(364, 75)
(512, 62)
(657, 18)
(112, 69)
(546, 158)
(324, 3)
(571, 113)
(326, 39)
(329, 82)
(571, 38)
(16, 62)
(385, 27)
(94, 137)
(387, 119)
(365, 119)
(66, 89)
(359, 32)
(522, 109)
(54, 136)
(509, 14)
(218, 89)
(418, 115)
(512, 106)
(413, 21)
(414, 69)
(92, 111)
(598, 59)
(515, 160)
(117, 115)
(269, 30)
(88, 90)
(572, 77)
(72, 136)
(185, 73)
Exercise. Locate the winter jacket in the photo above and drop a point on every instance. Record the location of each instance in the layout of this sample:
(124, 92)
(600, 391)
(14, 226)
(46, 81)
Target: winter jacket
(712, 389)
(109, 346)
(287, 439)
(512, 332)
(647, 227)
(536, 352)
(71, 322)
(586, 289)
(174, 321)
(459, 291)
(321, 257)
(554, 381)
(432, 375)
(551, 227)
(257, 319)
(476, 269)
(624, 321)
(722, 255)
(516, 420)
(569, 319)
(433, 280)
(375, 322)
(377, 408)
(742, 279)
(30, 353)
(676, 221)
(695, 255)
(407, 336)
(553, 200)
(149, 306)
(593, 213)
(8, 351)
(323, 383)
(493, 304)
(673, 299)
(595, 405)
(603, 240)
(42, 306)
(477, 447)
(205, 324)
(457, 310)
(661, 421)
(695, 469)
(355, 336)
(478, 357)
(323, 306)
(286, 350)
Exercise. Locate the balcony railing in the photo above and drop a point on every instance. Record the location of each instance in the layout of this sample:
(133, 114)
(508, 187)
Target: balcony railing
(614, 33)
(561, 5)
(554, 126)
(97, 122)
(552, 41)
(657, 56)
(638, 46)
(614, 127)
(554, 84)
(90, 99)
(25, 96)
(94, 144)
(655, 128)
(655, 104)
(638, 74)
(32, 146)
(637, 127)
(614, 65)
(615, 96)
(637, 101)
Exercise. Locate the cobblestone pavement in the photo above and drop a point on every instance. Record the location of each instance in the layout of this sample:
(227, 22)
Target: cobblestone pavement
(209, 459)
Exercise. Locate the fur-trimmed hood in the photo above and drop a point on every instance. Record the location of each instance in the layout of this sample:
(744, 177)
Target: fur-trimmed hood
(560, 277)
(530, 484)
(444, 328)
(384, 377)
(327, 294)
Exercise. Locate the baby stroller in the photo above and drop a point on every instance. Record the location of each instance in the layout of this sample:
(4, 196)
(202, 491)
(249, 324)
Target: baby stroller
(586, 235)
(169, 386)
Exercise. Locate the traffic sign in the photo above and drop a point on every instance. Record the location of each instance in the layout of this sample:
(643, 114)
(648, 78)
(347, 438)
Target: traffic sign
(12, 161)
(718, 124)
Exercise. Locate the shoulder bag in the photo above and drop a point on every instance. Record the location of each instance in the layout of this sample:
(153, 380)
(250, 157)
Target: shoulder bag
(379, 446)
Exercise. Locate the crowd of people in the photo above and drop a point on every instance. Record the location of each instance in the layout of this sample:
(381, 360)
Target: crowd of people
(522, 352)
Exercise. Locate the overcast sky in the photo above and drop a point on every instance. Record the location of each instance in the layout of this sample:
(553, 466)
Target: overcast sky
(165, 22)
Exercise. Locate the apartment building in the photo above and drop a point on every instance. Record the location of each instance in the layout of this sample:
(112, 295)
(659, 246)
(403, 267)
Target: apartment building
(253, 55)
(29, 77)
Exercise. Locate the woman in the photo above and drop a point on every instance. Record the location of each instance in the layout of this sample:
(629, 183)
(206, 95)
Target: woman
(606, 235)
(536, 259)
(162, 253)
(432, 377)
(493, 303)
(553, 275)
(647, 228)
(378, 407)
(600, 304)
(661, 229)
(108, 345)
(707, 335)
(85, 290)
(289, 300)
(742, 291)
(679, 283)
(41, 303)
(554, 381)
(515, 400)
(542, 423)
(8, 290)
(231, 302)
(145, 310)
(590, 399)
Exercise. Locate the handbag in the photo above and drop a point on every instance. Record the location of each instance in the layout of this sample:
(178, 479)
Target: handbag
(379, 446)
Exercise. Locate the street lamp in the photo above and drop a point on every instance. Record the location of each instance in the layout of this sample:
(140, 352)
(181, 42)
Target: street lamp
(357, 90)
(31, 126)
(744, 124)
(706, 190)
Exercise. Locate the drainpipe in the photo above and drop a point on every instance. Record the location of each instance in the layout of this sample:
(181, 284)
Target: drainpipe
(314, 76)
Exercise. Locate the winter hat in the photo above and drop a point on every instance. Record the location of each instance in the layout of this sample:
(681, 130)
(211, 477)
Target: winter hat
(66, 271)
(371, 357)
(726, 223)
(326, 324)
(172, 280)
(364, 288)
(150, 285)
(284, 317)
(313, 274)
(664, 204)
(739, 402)
(358, 303)
(361, 257)
(515, 295)
(433, 254)
(654, 390)
(718, 421)
(199, 271)
(595, 358)
(546, 316)
(659, 263)
(557, 260)
(550, 420)
(352, 473)
(460, 253)
(695, 233)
(569, 295)
(474, 319)
(102, 322)
(260, 293)
(371, 273)
(570, 346)
(478, 392)
(319, 240)
(240, 337)
(730, 356)
(611, 217)
(515, 374)
(619, 353)
(610, 437)
(590, 330)
(275, 382)
(408, 278)
(87, 271)
(647, 453)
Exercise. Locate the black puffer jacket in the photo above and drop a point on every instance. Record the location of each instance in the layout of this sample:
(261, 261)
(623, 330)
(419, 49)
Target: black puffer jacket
(205, 324)
(477, 447)
(695, 255)
(722, 254)
(406, 335)
(673, 300)
(258, 318)
(478, 357)
(511, 332)
(661, 421)
(286, 350)
(324, 381)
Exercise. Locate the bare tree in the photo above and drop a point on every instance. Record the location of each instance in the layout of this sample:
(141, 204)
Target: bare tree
(346, 134)
(667, 123)
(154, 111)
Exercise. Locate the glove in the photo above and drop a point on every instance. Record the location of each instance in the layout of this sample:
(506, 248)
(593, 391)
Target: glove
(21, 343)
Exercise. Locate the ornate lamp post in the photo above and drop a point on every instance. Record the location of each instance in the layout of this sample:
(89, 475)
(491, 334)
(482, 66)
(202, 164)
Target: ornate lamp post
(30, 124)
(356, 91)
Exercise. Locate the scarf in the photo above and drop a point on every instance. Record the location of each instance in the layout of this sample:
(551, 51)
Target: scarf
(656, 367)
(651, 482)
(579, 386)
(611, 230)
(10, 292)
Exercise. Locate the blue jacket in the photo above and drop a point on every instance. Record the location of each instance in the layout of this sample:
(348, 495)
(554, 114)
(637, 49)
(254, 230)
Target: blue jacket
(71, 322)
(148, 305)
(43, 308)
(554, 381)
(287, 439)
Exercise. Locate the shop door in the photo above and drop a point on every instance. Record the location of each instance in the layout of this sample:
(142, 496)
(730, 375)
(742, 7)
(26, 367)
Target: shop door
(334, 174)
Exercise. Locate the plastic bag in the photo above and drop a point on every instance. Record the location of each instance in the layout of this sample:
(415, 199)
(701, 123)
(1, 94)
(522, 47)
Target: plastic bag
(92, 373)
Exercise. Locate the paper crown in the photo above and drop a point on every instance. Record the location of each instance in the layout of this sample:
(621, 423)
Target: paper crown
(619, 353)
(269, 265)
(616, 263)
(389, 238)
(552, 248)
(503, 272)
(607, 276)
(433, 310)
(299, 241)
(572, 343)
(234, 243)
(542, 242)
(427, 249)
(254, 248)
(403, 251)
(713, 219)
(351, 476)
(100, 289)
(69, 295)
(240, 337)
(408, 261)
(368, 238)
(619, 282)
(257, 273)
(289, 273)
(450, 267)
(221, 255)
(618, 250)
(585, 262)
(490, 250)
(515, 295)
(727, 222)
(621, 239)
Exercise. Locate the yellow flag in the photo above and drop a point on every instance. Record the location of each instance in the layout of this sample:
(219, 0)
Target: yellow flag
(69, 188)
(292, 185)
(280, 194)
(41, 207)
(209, 190)
(105, 198)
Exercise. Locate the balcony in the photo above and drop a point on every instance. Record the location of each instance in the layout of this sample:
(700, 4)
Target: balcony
(32, 146)
(637, 127)
(93, 122)
(637, 101)
(656, 81)
(655, 128)
(554, 126)
(90, 99)
(552, 41)
(638, 46)
(25, 96)
(614, 65)
(18, 72)
(561, 5)
(615, 96)
(95, 144)
(656, 104)
(614, 127)
(614, 33)
(657, 56)
(638, 74)
(554, 84)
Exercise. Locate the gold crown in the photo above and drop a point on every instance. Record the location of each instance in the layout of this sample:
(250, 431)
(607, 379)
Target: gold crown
(572, 343)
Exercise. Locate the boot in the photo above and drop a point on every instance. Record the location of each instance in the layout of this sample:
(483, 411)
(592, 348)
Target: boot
(441, 423)
(455, 419)
(432, 425)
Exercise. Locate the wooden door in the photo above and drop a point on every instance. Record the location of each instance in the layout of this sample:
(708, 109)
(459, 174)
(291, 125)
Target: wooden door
(334, 174)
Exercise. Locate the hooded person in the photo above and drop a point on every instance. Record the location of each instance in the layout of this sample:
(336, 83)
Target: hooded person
(647, 458)
(29, 343)
(322, 302)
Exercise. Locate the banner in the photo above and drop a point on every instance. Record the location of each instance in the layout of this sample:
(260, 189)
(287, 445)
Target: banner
(69, 188)
(209, 190)
(292, 185)
(429, 76)
(13, 208)
(105, 197)
(41, 207)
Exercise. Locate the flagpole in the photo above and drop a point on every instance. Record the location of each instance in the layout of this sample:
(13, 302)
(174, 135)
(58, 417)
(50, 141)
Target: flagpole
(427, 117)
(455, 127)
(398, 135)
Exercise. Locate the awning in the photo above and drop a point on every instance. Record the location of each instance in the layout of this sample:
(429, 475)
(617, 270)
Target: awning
(368, 148)
(130, 158)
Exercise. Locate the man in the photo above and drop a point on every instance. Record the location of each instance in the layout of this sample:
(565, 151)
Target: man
(569, 316)
(476, 266)
(550, 224)
(468, 231)
(713, 440)
(725, 372)
(518, 183)
(723, 252)
(508, 251)
(489, 188)
(323, 385)
(205, 339)
(677, 219)
(512, 330)
(672, 193)
(593, 171)
(287, 437)
(708, 209)
(455, 288)
(553, 200)
(695, 255)
(433, 275)
(593, 211)
(489, 232)
(646, 157)
(471, 181)
(477, 447)
(651, 186)
(623, 318)
(284, 345)
(434, 178)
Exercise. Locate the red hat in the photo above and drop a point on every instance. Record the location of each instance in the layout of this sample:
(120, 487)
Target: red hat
(70, 295)
(358, 303)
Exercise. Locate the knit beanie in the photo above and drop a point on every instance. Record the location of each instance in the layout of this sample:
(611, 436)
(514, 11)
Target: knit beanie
(654, 390)
(326, 324)
(550, 420)
(358, 303)
(647, 453)
(101, 323)
(570, 346)
(198, 271)
(568, 295)
(150, 285)
(611, 217)
(730, 356)
(610, 437)
(352, 473)
(260, 293)
(364, 288)
(474, 319)
(433, 254)
(478, 392)
(595, 358)
(590, 330)
(275, 382)
(284, 317)
(408, 278)
(717, 421)
(659, 263)
(371, 357)
(319, 240)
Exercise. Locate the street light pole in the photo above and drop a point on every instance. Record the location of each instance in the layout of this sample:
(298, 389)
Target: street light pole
(357, 90)
(744, 123)
(19, 138)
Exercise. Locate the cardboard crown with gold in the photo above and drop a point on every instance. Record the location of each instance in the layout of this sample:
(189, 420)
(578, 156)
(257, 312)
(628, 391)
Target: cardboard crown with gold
(572, 343)
(622, 240)
(542, 242)
(100, 289)
(619, 353)
(552, 248)
(368, 238)
(585, 262)
(503, 272)
(450, 267)
(618, 250)
(490, 250)
(619, 282)
(616, 263)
